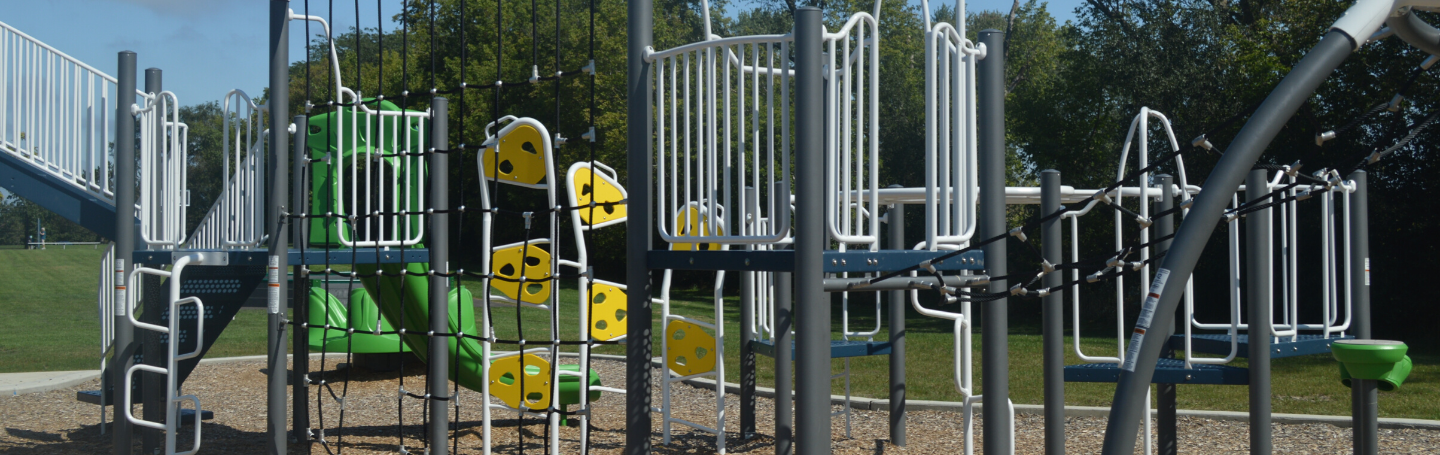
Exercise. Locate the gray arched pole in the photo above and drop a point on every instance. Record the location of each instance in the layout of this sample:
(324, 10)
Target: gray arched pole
(1220, 185)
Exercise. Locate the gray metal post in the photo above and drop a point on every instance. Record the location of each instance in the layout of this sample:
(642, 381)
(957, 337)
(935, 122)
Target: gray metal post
(275, 212)
(747, 333)
(1364, 400)
(124, 351)
(1052, 312)
(300, 343)
(1135, 375)
(152, 385)
(639, 228)
(895, 218)
(1257, 295)
(438, 360)
(1166, 424)
(812, 329)
(784, 379)
(995, 356)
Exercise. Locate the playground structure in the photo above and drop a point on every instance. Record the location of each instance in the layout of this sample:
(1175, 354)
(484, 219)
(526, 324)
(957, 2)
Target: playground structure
(378, 195)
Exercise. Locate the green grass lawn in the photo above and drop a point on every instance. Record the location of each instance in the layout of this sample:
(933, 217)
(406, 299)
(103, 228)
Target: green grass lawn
(54, 322)
(53, 325)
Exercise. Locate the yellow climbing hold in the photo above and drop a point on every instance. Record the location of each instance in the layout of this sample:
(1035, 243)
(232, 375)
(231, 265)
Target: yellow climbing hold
(605, 190)
(522, 157)
(692, 222)
(607, 311)
(689, 349)
(510, 260)
(535, 380)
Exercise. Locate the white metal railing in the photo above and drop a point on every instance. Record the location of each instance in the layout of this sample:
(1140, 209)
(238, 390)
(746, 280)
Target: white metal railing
(379, 168)
(164, 160)
(56, 113)
(722, 122)
(950, 143)
(237, 219)
(852, 124)
(172, 358)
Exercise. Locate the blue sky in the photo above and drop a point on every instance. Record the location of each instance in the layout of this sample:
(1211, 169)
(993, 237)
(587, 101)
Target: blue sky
(208, 47)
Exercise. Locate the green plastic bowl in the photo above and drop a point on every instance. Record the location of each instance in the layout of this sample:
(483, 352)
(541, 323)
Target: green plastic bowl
(1381, 360)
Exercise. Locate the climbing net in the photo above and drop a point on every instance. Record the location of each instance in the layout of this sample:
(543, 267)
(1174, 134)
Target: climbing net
(369, 158)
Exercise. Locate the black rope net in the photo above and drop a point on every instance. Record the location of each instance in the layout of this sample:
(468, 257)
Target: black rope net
(363, 175)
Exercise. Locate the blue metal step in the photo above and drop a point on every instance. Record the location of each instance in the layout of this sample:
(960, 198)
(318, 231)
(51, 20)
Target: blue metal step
(1220, 344)
(838, 348)
(1167, 371)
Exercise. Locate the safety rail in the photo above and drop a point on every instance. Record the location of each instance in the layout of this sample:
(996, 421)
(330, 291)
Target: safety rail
(380, 169)
(172, 355)
(852, 127)
(164, 161)
(951, 154)
(237, 219)
(711, 143)
(55, 113)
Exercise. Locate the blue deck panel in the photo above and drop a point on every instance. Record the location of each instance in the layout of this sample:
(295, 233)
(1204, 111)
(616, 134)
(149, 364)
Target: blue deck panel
(838, 348)
(1167, 371)
(1220, 344)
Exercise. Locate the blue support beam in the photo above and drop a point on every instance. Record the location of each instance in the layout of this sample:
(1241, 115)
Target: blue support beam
(49, 191)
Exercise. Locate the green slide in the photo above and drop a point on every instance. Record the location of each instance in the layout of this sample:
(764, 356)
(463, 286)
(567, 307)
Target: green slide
(408, 296)
(361, 315)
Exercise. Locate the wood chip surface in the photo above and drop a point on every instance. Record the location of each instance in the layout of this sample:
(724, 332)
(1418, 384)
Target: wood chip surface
(55, 423)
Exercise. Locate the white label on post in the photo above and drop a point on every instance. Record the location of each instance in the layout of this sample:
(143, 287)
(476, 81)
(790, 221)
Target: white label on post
(273, 296)
(122, 300)
(1367, 271)
(1147, 313)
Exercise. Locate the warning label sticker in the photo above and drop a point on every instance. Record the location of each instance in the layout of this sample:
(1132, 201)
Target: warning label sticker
(1142, 324)
(273, 294)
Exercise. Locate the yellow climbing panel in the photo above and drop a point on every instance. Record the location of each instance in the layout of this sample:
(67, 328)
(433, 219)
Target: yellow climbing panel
(508, 262)
(522, 157)
(607, 311)
(535, 380)
(689, 349)
(692, 222)
(604, 191)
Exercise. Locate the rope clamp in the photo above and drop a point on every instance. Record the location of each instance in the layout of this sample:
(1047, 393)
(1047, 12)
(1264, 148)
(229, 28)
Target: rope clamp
(559, 140)
(528, 216)
(1091, 278)
(1143, 221)
(1322, 137)
(1395, 102)
(1046, 267)
(927, 266)
(1018, 289)
(1042, 292)
(589, 135)
(1102, 196)
(589, 68)
(1202, 142)
(1019, 233)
